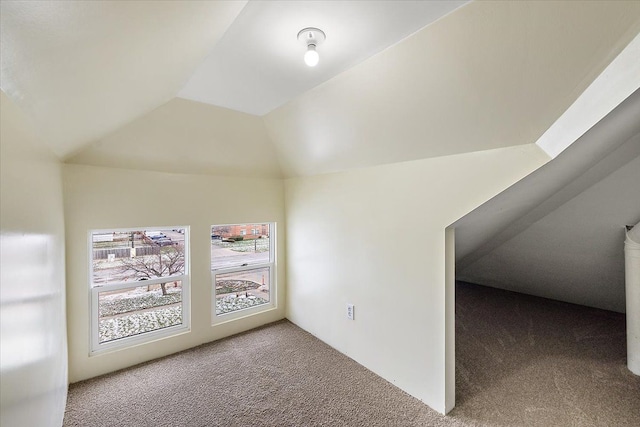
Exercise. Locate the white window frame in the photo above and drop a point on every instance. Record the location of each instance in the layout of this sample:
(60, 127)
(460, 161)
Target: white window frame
(272, 264)
(95, 346)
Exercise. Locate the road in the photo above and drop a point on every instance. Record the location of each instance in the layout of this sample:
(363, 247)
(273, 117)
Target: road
(220, 258)
(223, 257)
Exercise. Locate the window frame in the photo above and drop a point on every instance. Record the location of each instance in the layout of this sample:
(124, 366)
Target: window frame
(95, 347)
(217, 319)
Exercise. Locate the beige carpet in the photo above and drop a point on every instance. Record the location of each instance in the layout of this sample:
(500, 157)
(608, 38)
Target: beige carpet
(521, 361)
(527, 361)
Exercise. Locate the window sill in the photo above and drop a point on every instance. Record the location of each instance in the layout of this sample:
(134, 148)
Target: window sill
(242, 314)
(136, 341)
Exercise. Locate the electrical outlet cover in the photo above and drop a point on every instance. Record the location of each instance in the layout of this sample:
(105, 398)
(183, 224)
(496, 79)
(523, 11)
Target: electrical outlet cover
(350, 312)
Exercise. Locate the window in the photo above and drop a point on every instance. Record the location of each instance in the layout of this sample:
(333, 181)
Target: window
(139, 284)
(243, 232)
(243, 270)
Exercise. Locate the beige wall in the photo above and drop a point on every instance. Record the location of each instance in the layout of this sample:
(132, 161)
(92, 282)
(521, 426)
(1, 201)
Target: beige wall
(98, 198)
(33, 363)
(352, 238)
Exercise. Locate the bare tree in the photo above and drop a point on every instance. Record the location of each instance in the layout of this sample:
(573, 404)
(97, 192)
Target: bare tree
(168, 261)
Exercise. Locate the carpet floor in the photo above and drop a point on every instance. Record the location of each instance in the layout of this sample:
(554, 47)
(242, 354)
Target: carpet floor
(528, 361)
(520, 361)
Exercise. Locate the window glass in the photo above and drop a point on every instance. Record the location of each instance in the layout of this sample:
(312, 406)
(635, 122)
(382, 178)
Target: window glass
(242, 289)
(139, 285)
(134, 311)
(242, 267)
(129, 256)
(230, 248)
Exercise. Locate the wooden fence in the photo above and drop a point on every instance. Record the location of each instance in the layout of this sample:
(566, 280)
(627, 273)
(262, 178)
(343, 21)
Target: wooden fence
(125, 252)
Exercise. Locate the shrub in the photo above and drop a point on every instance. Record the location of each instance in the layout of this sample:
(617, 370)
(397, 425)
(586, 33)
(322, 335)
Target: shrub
(238, 238)
(228, 304)
(141, 302)
(138, 323)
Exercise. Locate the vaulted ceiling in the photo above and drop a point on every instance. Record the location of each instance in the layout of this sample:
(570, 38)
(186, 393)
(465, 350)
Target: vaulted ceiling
(84, 69)
(258, 65)
(104, 81)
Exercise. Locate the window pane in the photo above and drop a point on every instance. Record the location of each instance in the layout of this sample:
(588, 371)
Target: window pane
(242, 289)
(127, 312)
(234, 245)
(129, 256)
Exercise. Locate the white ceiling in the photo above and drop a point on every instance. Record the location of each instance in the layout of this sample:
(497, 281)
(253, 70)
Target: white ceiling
(488, 75)
(82, 69)
(184, 136)
(258, 65)
(96, 77)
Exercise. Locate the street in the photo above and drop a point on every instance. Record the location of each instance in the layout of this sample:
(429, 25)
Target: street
(111, 272)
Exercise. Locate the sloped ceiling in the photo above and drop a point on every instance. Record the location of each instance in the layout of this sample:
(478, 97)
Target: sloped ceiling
(258, 65)
(98, 76)
(488, 75)
(82, 69)
(184, 136)
(559, 232)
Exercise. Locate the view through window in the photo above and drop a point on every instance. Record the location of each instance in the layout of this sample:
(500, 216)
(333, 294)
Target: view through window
(242, 265)
(139, 284)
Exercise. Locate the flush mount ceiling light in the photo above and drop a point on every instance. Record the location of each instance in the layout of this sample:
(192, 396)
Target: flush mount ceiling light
(311, 37)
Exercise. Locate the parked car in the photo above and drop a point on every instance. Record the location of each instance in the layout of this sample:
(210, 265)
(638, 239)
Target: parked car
(164, 241)
(216, 237)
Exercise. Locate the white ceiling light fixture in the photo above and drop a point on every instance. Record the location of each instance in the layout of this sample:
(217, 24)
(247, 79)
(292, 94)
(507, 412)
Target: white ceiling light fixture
(311, 37)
